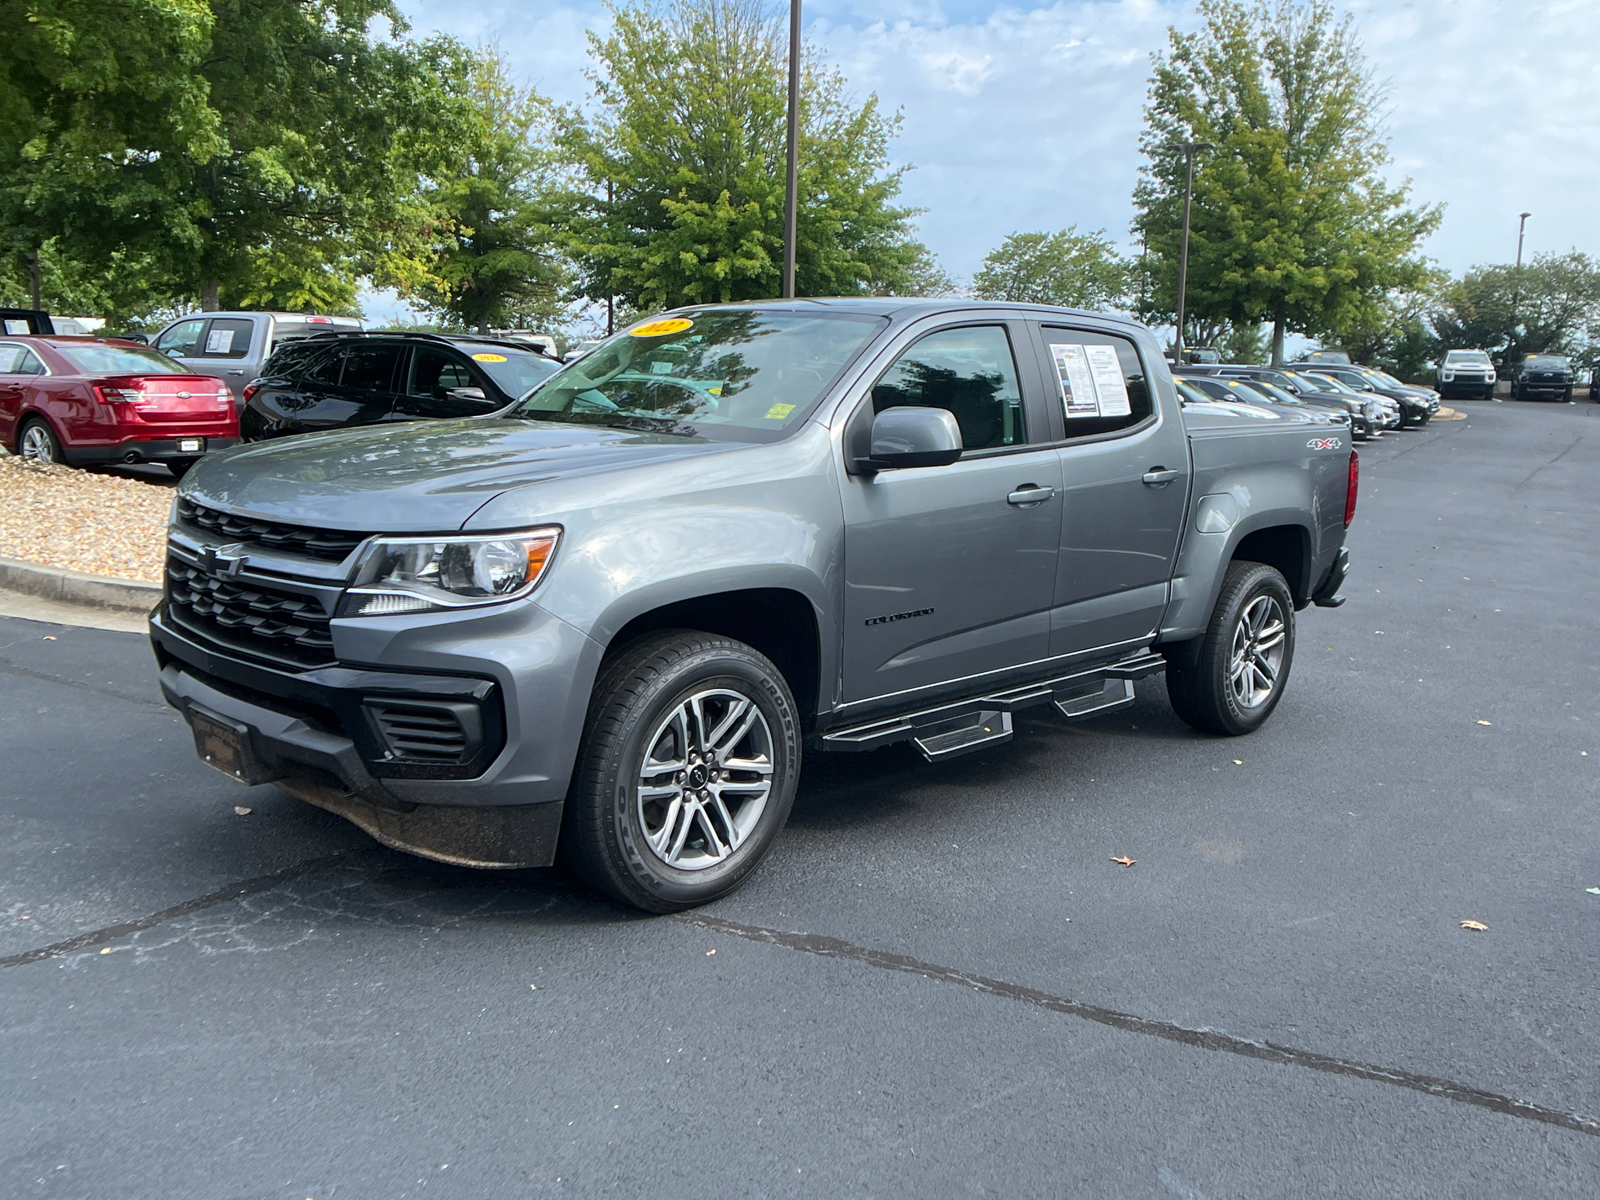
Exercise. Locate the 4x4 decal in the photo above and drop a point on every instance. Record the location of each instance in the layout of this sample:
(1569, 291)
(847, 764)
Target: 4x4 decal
(1324, 444)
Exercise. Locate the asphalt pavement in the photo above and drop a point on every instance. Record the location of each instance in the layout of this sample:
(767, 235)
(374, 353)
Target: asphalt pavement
(939, 984)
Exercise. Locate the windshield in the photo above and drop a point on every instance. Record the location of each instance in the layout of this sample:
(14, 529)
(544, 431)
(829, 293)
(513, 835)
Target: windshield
(98, 358)
(1548, 362)
(513, 371)
(1467, 356)
(1273, 392)
(743, 375)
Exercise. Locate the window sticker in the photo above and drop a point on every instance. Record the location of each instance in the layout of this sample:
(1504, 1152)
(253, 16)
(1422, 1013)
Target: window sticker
(779, 411)
(661, 328)
(219, 341)
(16, 327)
(1078, 398)
(488, 358)
(1108, 382)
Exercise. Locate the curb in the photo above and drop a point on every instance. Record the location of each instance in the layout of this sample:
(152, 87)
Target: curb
(78, 587)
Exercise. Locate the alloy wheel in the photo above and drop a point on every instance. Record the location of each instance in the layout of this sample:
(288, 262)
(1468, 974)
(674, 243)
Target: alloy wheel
(705, 779)
(37, 445)
(1257, 658)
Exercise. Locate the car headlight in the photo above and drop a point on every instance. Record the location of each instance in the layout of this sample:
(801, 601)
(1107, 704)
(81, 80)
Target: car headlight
(416, 574)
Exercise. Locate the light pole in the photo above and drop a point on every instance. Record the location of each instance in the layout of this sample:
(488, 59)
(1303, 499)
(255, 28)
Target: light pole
(791, 183)
(1516, 278)
(1189, 149)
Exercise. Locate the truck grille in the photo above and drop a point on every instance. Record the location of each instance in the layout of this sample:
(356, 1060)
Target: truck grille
(331, 544)
(249, 616)
(422, 731)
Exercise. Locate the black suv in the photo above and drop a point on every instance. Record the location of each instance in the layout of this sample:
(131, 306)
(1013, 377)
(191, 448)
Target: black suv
(332, 381)
(1543, 376)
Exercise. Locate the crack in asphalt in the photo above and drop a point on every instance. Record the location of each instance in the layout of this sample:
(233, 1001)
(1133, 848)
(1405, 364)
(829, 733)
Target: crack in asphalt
(234, 891)
(1203, 1039)
(7, 667)
(1551, 463)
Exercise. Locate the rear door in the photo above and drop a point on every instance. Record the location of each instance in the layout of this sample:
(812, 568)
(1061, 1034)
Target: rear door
(1125, 473)
(224, 349)
(438, 383)
(949, 571)
(14, 377)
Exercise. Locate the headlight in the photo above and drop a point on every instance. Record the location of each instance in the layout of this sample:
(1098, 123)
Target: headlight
(415, 574)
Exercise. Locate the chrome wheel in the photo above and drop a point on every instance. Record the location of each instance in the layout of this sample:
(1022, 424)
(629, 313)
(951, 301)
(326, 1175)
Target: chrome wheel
(705, 780)
(1257, 658)
(38, 445)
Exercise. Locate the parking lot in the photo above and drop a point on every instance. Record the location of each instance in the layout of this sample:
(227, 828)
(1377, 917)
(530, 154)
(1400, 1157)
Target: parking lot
(938, 984)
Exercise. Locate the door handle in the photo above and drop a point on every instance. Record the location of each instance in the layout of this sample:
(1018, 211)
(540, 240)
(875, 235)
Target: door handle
(1030, 494)
(1157, 476)
(240, 372)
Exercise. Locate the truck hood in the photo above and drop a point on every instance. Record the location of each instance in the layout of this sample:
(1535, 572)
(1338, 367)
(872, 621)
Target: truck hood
(418, 477)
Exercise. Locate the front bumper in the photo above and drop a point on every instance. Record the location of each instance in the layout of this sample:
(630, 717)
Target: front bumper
(500, 683)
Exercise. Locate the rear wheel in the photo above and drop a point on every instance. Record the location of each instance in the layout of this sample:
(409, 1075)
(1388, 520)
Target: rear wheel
(1230, 678)
(686, 773)
(38, 443)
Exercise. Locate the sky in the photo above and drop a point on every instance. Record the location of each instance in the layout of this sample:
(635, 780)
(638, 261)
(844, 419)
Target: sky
(1027, 117)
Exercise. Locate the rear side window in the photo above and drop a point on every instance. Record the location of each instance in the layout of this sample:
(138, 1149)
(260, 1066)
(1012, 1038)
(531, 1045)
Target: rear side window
(1100, 380)
(326, 369)
(14, 360)
(371, 368)
(228, 337)
(183, 338)
(969, 371)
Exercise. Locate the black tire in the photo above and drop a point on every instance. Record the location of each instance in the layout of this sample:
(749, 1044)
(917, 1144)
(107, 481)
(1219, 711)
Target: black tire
(1199, 676)
(1567, 396)
(604, 836)
(180, 466)
(37, 442)
(1488, 392)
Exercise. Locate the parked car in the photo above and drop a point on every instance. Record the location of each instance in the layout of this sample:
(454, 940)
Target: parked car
(1468, 374)
(1542, 376)
(1417, 405)
(83, 401)
(1366, 418)
(341, 380)
(611, 614)
(234, 346)
(1388, 410)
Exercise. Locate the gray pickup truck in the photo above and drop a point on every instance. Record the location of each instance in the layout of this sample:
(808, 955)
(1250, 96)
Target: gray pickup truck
(606, 620)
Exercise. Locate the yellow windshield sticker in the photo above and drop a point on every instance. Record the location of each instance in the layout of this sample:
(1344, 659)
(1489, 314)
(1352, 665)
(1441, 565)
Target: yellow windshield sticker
(661, 328)
(488, 358)
(715, 389)
(779, 411)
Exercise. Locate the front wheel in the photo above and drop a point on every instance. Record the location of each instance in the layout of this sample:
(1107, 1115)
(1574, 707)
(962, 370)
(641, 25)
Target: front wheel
(1230, 678)
(687, 771)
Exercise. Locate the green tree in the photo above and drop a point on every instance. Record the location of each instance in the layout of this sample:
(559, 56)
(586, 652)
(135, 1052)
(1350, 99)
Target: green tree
(1552, 304)
(1068, 268)
(1293, 222)
(683, 167)
(494, 260)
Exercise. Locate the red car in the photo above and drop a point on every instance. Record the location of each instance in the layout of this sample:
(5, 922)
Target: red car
(81, 401)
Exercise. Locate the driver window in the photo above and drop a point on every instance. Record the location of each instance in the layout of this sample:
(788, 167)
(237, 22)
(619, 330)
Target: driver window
(970, 372)
(433, 373)
(183, 338)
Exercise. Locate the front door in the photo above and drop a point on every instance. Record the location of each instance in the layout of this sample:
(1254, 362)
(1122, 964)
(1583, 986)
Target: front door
(1125, 476)
(437, 384)
(949, 570)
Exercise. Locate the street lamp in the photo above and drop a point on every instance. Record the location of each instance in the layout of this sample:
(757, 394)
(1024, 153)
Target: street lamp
(1516, 278)
(1189, 149)
(791, 185)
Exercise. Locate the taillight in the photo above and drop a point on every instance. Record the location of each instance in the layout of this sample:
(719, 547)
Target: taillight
(250, 389)
(1350, 496)
(110, 395)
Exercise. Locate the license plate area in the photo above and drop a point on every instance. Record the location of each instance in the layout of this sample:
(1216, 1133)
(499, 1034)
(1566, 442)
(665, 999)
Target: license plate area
(225, 745)
(191, 445)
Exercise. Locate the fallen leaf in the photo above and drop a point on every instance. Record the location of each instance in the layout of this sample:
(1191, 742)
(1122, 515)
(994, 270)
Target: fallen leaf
(1377, 631)
(533, 987)
(709, 953)
(1124, 861)
(1481, 721)
(1591, 891)
(49, 637)
(107, 950)
(1475, 926)
(240, 810)
(1238, 762)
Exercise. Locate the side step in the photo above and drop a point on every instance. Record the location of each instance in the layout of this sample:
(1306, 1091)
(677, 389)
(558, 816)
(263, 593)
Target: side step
(946, 730)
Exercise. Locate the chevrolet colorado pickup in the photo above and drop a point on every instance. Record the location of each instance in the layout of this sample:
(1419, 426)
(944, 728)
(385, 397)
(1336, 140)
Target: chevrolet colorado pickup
(606, 620)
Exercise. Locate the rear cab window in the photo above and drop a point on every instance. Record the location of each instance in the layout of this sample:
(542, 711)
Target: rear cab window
(227, 337)
(1099, 381)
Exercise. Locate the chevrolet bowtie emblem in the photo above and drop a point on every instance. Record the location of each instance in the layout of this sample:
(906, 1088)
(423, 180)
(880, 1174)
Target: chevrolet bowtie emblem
(226, 560)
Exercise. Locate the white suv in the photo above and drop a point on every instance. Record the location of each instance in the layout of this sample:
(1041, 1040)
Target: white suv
(1466, 374)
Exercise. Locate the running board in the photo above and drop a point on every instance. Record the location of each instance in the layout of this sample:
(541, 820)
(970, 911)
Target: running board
(960, 726)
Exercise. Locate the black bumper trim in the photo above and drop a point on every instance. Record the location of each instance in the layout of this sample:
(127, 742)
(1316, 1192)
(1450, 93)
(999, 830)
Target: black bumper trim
(1327, 593)
(153, 450)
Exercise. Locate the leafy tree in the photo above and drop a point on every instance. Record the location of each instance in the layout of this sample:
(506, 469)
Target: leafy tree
(1293, 222)
(494, 262)
(1068, 268)
(689, 138)
(1553, 305)
(1394, 335)
(1243, 344)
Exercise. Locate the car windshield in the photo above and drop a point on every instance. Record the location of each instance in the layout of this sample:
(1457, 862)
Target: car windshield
(726, 374)
(1383, 380)
(1273, 392)
(1467, 356)
(513, 371)
(99, 358)
(1548, 362)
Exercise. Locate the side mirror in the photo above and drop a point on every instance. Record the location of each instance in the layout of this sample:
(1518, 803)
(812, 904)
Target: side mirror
(174, 352)
(466, 393)
(912, 436)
